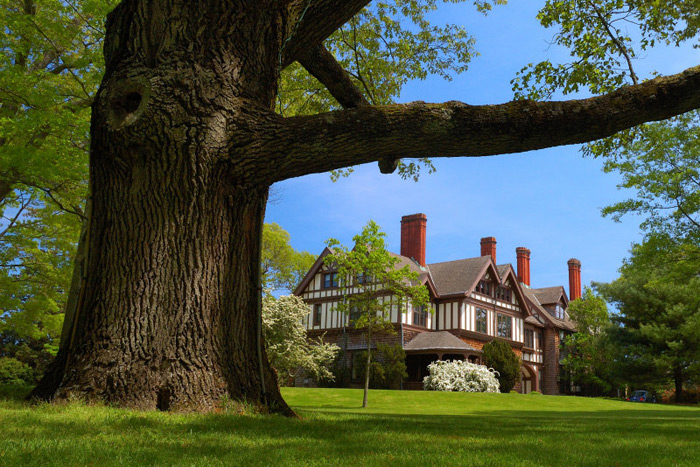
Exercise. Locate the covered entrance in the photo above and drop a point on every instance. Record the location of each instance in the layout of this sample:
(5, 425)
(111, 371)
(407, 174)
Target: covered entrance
(528, 379)
(428, 347)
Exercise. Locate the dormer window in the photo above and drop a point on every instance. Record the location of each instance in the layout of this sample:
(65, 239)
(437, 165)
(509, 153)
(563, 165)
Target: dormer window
(503, 293)
(559, 312)
(484, 287)
(330, 280)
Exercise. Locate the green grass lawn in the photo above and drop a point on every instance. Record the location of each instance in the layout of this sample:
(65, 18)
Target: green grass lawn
(399, 428)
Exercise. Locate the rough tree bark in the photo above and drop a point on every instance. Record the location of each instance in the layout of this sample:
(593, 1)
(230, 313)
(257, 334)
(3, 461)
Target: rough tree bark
(184, 148)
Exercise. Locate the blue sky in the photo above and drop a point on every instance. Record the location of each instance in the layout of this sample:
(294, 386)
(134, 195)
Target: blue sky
(548, 201)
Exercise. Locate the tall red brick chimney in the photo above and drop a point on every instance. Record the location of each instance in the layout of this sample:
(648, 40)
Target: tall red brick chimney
(523, 256)
(574, 279)
(488, 247)
(413, 237)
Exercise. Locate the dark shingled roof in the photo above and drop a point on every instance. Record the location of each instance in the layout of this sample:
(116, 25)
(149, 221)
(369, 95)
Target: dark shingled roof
(548, 295)
(533, 320)
(438, 340)
(503, 269)
(412, 265)
(531, 295)
(458, 276)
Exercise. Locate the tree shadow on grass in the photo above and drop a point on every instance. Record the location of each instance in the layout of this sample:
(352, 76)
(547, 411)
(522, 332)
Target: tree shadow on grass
(322, 437)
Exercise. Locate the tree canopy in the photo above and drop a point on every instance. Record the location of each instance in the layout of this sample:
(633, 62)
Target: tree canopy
(185, 143)
(658, 320)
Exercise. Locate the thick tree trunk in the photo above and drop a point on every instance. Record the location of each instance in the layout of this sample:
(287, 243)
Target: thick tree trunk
(169, 311)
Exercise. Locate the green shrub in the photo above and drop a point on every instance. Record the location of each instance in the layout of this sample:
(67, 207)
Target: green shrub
(536, 393)
(513, 391)
(14, 372)
(499, 356)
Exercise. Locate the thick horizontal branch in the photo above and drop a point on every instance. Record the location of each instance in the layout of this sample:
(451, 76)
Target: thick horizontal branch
(318, 19)
(323, 142)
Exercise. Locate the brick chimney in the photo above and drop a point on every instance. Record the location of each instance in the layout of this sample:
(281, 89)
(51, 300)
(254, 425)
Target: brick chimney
(574, 279)
(523, 256)
(413, 237)
(488, 247)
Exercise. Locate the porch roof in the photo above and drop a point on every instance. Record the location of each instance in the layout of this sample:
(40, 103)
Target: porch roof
(438, 340)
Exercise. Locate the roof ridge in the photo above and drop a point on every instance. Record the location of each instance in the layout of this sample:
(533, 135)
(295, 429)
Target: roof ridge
(456, 260)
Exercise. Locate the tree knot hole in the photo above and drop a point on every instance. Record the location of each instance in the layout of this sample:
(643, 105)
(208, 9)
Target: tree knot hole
(127, 102)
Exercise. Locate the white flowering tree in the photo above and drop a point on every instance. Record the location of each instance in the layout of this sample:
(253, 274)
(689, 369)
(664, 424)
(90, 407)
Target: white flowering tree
(460, 376)
(288, 348)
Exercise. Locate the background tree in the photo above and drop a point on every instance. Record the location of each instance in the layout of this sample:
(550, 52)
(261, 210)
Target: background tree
(589, 351)
(288, 347)
(184, 146)
(500, 356)
(371, 284)
(283, 267)
(658, 324)
(50, 69)
(657, 160)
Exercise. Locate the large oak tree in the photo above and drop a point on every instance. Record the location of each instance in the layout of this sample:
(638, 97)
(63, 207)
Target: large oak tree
(185, 144)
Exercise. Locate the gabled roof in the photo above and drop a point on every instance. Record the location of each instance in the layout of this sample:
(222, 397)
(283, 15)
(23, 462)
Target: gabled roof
(438, 340)
(312, 272)
(551, 295)
(506, 271)
(460, 276)
(542, 313)
(423, 273)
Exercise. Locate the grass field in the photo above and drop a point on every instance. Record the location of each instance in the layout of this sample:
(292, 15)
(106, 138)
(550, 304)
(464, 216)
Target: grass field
(399, 428)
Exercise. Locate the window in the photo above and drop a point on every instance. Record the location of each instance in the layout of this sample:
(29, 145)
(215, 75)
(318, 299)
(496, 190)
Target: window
(540, 340)
(354, 314)
(330, 280)
(559, 310)
(503, 293)
(363, 278)
(420, 315)
(358, 362)
(504, 326)
(530, 338)
(484, 287)
(481, 320)
(317, 315)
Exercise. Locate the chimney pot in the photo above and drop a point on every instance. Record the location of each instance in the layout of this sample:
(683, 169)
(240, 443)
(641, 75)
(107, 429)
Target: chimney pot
(574, 279)
(523, 256)
(488, 247)
(413, 237)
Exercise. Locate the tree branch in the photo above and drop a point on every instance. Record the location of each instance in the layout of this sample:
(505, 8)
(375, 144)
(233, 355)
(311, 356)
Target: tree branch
(320, 19)
(324, 67)
(328, 141)
(616, 40)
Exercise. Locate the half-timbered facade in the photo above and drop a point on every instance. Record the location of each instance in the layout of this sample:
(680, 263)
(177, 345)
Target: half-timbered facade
(472, 301)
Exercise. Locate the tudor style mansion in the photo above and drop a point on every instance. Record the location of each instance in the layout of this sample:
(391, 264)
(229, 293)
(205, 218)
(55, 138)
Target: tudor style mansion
(472, 301)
